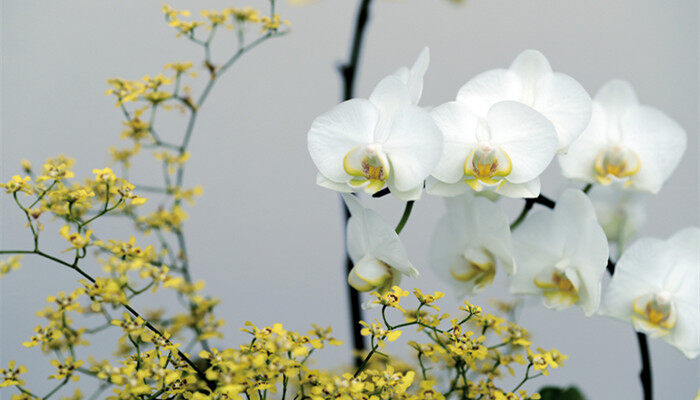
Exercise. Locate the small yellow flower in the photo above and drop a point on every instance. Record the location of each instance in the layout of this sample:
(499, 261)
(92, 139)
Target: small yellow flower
(11, 374)
(125, 90)
(76, 240)
(18, 184)
(540, 361)
(180, 67)
(391, 298)
(272, 24)
(66, 369)
(104, 176)
(67, 303)
(378, 332)
(26, 166)
(137, 129)
(246, 14)
(124, 156)
(10, 264)
(44, 336)
(428, 393)
(428, 299)
(323, 335)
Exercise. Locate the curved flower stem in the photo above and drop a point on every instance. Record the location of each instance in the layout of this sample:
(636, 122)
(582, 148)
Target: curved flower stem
(57, 387)
(645, 373)
(381, 193)
(541, 199)
(348, 73)
(404, 217)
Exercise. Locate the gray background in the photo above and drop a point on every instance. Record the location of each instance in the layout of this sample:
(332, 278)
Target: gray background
(266, 239)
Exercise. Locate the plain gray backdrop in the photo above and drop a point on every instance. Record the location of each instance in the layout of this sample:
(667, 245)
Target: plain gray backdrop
(266, 239)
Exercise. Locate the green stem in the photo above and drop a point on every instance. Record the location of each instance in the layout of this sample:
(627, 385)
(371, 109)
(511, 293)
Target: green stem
(405, 216)
(54, 390)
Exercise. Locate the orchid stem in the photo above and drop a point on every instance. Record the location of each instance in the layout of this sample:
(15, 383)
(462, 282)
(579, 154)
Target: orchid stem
(404, 217)
(348, 72)
(541, 199)
(645, 373)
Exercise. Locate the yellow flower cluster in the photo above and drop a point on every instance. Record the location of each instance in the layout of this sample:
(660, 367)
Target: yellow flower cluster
(461, 356)
(148, 88)
(462, 346)
(228, 18)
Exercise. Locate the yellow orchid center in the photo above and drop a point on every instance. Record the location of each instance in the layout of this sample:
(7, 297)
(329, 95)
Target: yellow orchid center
(478, 266)
(654, 313)
(487, 165)
(559, 285)
(617, 162)
(368, 166)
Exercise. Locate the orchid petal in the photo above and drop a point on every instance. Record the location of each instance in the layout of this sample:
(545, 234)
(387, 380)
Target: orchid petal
(528, 138)
(336, 132)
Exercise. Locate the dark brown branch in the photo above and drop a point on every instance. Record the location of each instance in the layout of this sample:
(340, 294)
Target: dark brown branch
(348, 74)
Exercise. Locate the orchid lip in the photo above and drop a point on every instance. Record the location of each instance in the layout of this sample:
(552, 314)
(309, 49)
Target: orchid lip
(487, 165)
(368, 166)
(616, 163)
(654, 313)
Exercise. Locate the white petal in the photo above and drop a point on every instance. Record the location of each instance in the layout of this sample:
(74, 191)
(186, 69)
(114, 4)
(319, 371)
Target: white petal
(585, 244)
(528, 138)
(329, 184)
(616, 96)
(488, 88)
(686, 333)
(637, 273)
(492, 230)
(403, 73)
(388, 96)
(357, 238)
(684, 281)
(371, 271)
(535, 249)
(578, 162)
(684, 275)
(620, 212)
(527, 189)
(566, 104)
(470, 222)
(415, 79)
(458, 126)
(336, 132)
(439, 188)
(447, 244)
(405, 195)
(369, 235)
(531, 66)
(413, 147)
(658, 141)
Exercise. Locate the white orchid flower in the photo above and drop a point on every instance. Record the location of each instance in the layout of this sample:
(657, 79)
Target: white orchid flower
(505, 151)
(620, 212)
(636, 145)
(378, 255)
(384, 141)
(656, 287)
(467, 242)
(562, 254)
(531, 81)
